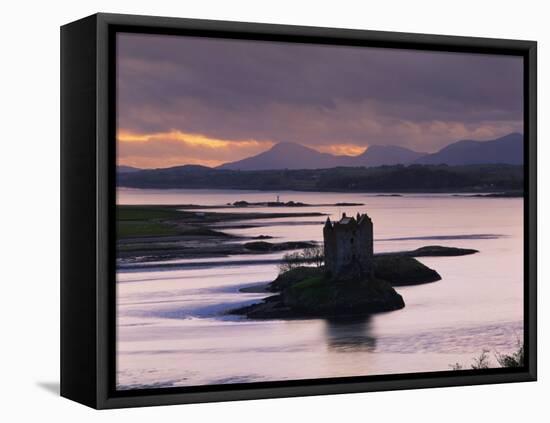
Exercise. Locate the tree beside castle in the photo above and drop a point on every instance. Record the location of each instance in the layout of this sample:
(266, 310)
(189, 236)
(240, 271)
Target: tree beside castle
(353, 281)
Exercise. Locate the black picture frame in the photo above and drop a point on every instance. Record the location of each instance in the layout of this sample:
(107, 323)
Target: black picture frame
(88, 197)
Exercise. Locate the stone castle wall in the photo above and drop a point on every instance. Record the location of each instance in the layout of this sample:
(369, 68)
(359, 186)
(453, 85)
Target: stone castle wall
(349, 246)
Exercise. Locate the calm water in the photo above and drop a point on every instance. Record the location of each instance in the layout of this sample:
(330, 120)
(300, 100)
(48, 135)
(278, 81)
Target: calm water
(171, 330)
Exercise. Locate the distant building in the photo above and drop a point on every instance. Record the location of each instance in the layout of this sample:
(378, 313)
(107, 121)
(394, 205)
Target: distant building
(348, 246)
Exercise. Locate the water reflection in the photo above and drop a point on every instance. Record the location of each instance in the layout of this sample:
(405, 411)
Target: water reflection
(346, 334)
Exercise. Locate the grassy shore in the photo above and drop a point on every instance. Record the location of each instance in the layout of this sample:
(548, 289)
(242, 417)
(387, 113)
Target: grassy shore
(145, 221)
(160, 232)
(155, 221)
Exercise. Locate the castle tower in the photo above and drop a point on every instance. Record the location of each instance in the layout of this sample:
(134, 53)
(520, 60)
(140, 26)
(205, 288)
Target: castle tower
(349, 247)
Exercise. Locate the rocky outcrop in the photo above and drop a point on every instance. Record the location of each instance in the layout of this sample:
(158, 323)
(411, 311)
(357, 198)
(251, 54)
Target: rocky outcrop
(403, 270)
(310, 291)
(264, 246)
(440, 251)
(320, 296)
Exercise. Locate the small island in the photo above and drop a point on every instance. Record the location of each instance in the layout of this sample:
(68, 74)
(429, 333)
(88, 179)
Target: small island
(352, 281)
(278, 203)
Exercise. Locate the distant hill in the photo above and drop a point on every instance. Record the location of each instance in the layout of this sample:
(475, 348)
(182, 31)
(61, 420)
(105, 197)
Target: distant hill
(287, 155)
(506, 150)
(398, 178)
(379, 155)
(185, 168)
(169, 175)
(126, 169)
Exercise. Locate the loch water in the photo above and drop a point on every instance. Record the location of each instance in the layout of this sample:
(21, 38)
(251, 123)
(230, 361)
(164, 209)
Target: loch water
(172, 329)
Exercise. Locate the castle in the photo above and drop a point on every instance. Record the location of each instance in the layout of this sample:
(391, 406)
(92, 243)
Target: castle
(348, 247)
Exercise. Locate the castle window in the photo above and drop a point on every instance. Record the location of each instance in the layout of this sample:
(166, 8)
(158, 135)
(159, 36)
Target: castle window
(351, 240)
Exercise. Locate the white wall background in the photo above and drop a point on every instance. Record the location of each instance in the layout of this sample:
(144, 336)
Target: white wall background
(29, 296)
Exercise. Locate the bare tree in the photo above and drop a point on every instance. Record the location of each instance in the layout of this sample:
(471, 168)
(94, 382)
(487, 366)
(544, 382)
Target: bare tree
(516, 359)
(290, 261)
(314, 255)
(481, 362)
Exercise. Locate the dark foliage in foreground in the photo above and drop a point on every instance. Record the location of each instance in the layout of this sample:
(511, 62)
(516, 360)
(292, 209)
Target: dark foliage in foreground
(516, 359)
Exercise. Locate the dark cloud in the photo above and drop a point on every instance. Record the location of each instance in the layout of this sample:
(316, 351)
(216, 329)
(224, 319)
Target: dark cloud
(316, 95)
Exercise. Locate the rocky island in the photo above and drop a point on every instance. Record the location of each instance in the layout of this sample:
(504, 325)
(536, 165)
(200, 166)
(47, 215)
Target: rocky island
(352, 281)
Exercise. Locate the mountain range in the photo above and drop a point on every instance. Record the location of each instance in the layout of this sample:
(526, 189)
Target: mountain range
(506, 150)
(286, 155)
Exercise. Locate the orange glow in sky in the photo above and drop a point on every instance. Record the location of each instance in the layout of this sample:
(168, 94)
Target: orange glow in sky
(189, 139)
(174, 148)
(341, 149)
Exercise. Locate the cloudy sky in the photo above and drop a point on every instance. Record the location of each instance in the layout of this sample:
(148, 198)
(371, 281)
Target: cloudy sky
(190, 100)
